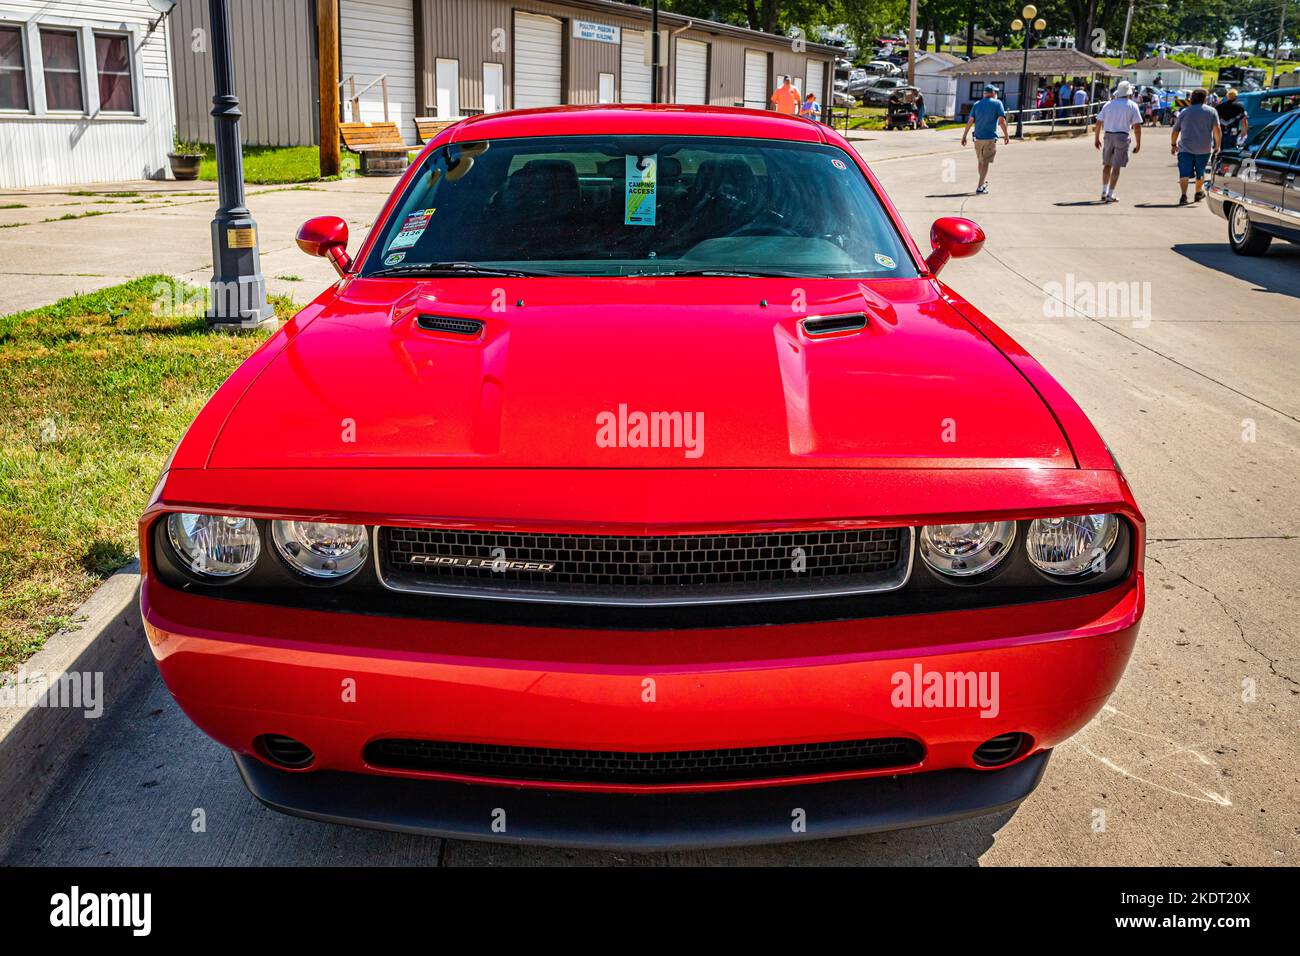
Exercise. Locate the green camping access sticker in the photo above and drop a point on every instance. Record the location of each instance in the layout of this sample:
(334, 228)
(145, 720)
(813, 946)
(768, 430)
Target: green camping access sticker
(640, 180)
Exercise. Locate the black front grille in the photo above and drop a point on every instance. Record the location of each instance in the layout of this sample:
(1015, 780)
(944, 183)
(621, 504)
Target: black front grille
(613, 766)
(661, 569)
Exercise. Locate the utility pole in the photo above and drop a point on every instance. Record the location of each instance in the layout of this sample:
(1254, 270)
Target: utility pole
(238, 291)
(654, 51)
(1281, 32)
(1128, 19)
(911, 43)
(327, 55)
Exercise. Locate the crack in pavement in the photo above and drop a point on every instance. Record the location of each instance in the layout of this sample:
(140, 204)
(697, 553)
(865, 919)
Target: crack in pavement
(1241, 631)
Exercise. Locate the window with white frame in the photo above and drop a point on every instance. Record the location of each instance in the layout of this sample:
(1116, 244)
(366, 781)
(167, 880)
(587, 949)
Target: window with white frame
(113, 66)
(61, 56)
(13, 69)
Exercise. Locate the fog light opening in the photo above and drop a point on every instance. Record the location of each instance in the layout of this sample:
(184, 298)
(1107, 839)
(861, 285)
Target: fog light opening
(1002, 749)
(285, 751)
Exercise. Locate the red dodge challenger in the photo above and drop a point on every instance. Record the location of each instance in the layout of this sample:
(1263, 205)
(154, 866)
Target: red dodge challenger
(638, 484)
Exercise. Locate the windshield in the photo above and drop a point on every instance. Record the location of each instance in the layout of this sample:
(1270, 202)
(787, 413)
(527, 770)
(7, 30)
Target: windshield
(639, 205)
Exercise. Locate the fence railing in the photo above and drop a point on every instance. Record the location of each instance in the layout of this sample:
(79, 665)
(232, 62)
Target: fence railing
(1054, 116)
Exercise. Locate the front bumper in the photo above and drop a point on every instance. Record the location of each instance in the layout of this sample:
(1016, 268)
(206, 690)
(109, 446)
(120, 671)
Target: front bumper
(643, 822)
(339, 681)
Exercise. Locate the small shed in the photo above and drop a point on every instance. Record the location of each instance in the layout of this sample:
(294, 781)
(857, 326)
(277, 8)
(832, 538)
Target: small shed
(1002, 69)
(1173, 75)
(939, 89)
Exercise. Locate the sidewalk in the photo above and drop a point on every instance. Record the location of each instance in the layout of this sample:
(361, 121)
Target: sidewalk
(108, 233)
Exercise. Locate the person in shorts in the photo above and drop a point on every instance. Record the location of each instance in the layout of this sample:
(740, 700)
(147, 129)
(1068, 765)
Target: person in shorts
(1119, 125)
(1196, 136)
(987, 116)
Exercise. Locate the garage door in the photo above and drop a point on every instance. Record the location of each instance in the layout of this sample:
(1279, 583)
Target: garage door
(538, 61)
(377, 37)
(756, 91)
(816, 75)
(636, 72)
(691, 83)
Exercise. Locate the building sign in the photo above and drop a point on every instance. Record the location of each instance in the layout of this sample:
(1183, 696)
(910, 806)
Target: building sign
(600, 32)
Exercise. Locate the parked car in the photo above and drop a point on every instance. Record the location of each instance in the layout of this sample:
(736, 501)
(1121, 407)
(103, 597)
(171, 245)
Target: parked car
(1256, 189)
(877, 91)
(550, 522)
(883, 68)
(842, 99)
(1264, 106)
(858, 82)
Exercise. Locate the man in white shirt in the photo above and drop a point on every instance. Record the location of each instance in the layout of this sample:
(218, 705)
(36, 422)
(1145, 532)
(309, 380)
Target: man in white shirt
(1117, 119)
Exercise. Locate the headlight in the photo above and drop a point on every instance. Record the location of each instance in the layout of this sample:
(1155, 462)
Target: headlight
(214, 546)
(1067, 547)
(962, 550)
(321, 549)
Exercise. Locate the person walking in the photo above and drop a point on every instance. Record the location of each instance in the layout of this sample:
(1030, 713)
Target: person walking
(1119, 118)
(1080, 99)
(987, 116)
(1195, 137)
(810, 108)
(1233, 119)
(1063, 98)
(786, 98)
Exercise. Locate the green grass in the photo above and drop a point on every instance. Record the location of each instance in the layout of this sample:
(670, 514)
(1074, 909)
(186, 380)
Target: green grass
(76, 215)
(278, 164)
(13, 205)
(98, 390)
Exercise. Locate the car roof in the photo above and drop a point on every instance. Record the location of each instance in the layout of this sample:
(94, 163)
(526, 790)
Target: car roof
(633, 119)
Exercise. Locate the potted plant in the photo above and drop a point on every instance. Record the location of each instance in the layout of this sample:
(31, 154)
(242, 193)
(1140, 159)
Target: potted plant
(185, 159)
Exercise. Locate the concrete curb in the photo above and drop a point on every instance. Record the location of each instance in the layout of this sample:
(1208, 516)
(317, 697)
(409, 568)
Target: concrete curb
(37, 739)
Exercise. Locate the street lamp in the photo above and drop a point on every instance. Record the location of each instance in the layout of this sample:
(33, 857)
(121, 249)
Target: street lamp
(1031, 27)
(238, 291)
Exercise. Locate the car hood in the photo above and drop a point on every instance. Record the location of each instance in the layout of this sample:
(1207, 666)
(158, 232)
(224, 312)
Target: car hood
(564, 370)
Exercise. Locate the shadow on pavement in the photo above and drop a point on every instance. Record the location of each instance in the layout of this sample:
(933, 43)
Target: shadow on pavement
(1278, 271)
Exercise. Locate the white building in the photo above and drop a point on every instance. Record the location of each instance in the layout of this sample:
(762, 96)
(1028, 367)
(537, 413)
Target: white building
(939, 90)
(1173, 75)
(85, 92)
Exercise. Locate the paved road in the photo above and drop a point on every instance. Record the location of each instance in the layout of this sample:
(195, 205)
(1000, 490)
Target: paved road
(117, 231)
(1194, 761)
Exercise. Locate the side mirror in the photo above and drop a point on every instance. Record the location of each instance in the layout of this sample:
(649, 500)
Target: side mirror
(326, 236)
(953, 238)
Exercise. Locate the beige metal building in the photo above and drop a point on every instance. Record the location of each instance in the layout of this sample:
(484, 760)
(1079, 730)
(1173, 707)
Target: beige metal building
(405, 58)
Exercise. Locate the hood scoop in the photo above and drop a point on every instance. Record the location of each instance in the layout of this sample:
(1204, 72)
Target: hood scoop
(826, 324)
(453, 325)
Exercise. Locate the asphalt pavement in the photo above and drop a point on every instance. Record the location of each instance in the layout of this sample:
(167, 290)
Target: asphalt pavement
(1183, 355)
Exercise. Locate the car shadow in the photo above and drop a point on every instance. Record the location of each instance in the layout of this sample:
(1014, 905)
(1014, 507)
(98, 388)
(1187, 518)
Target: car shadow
(1277, 271)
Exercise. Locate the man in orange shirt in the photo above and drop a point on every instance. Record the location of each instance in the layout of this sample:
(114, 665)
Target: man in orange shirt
(786, 98)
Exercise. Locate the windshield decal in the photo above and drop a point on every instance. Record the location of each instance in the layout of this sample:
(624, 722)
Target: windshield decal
(412, 229)
(640, 187)
(884, 260)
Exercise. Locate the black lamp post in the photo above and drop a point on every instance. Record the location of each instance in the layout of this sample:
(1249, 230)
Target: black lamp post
(1031, 27)
(238, 291)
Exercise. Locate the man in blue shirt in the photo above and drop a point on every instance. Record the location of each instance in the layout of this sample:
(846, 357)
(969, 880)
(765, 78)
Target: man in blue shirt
(987, 116)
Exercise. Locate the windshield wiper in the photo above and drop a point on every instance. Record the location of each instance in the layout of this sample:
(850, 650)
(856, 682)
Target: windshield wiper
(454, 268)
(743, 273)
